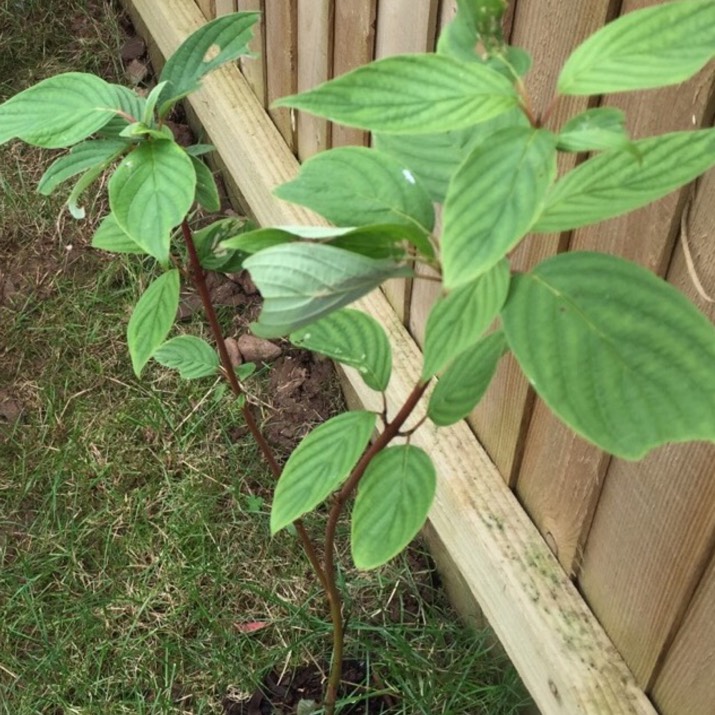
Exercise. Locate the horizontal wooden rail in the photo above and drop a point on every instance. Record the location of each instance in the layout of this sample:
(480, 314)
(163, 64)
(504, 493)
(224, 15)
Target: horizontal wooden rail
(561, 652)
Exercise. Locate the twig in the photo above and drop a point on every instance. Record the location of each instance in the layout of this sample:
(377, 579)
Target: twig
(199, 279)
(389, 433)
(684, 221)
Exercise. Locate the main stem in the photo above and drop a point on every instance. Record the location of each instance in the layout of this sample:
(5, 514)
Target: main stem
(199, 278)
(388, 434)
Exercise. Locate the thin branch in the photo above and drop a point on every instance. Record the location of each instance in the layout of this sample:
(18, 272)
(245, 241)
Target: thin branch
(389, 433)
(684, 221)
(199, 279)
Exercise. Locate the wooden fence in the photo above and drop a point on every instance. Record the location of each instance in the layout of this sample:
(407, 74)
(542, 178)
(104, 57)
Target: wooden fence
(637, 539)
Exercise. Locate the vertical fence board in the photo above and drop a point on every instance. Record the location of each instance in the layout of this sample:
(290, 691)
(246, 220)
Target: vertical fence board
(686, 684)
(208, 8)
(354, 45)
(655, 519)
(503, 413)
(447, 11)
(315, 60)
(224, 7)
(646, 546)
(404, 26)
(281, 40)
(254, 68)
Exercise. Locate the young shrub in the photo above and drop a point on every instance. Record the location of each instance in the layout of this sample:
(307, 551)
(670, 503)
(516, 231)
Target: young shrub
(618, 354)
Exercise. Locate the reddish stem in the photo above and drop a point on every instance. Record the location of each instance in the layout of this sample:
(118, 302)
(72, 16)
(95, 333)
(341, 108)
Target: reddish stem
(199, 279)
(391, 430)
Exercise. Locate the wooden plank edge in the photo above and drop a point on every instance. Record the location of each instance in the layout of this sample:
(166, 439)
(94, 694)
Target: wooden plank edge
(561, 652)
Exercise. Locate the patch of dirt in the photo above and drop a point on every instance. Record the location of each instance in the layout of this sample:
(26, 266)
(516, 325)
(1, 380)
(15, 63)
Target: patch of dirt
(302, 389)
(11, 408)
(292, 693)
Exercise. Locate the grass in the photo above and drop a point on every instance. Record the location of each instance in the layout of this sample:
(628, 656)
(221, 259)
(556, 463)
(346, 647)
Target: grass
(134, 538)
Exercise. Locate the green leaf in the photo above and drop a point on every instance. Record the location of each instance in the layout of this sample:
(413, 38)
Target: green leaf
(138, 130)
(80, 158)
(199, 149)
(464, 382)
(258, 240)
(512, 62)
(191, 356)
(130, 108)
(459, 39)
(459, 319)
(59, 111)
(475, 21)
(596, 129)
(150, 192)
(486, 16)
(493, 199)
(151, 101)
(110, 237)
(213, 255)
(384, 241)
(206, 49)
(410, 94)
(433, 158)
(301, 282)
(652, 47)
(245, 370)
(129, 103)
(315, 232)
(391, 505)
(352, 338)
(84, 182)
(152, 318)
(377, 241)
(619, 181)
(319, 465)
(619, 355)
(206, 189)
(356, 186)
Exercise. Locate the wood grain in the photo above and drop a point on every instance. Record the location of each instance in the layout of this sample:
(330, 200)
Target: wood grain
(354, 46)
(501, 418)
(224, 7)
(254, 68)
(315, 63)
(558, 647)
(281, 43)
(208, 8)
(686, 685)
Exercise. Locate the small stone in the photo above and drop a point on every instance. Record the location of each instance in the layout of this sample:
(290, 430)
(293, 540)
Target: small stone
(136, 71)
(188, 305)
(10, 410)
(246, 282)
(132, 49)
(256, 349)
(234, 352)
(222, 294)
